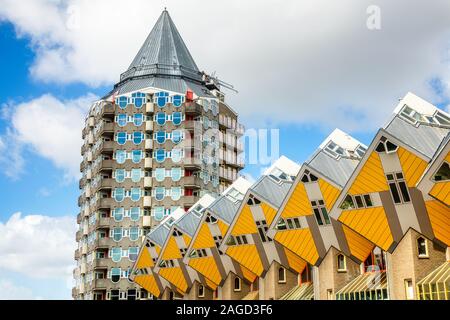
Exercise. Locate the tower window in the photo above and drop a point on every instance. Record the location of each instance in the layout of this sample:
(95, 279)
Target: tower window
(262, 230)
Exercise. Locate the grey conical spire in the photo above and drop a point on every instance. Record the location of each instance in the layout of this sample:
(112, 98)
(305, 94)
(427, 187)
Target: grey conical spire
(163, 52)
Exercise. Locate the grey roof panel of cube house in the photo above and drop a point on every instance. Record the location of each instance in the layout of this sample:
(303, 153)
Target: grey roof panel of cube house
(272, 191)
(188, 223)
(337, 170)
(424, 138)
(225, 209)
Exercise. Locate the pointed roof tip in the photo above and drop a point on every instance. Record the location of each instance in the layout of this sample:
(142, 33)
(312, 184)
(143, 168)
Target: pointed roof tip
(163, 52)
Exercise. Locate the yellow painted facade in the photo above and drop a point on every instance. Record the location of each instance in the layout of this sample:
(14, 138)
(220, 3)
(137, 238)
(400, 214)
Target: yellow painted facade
(204, 238)
(298, 203)
(413, 167)
(174, 276)
(269, 212)
(295, 262)
(439, 215)
(300, 242)
(247, 255)
(371, 178)
(359, 246)
(207, 267)
(171, 250)
(148, 282)
(441, 191)
(144, 260)
(245, 223)
(329, 193)
(371, 223)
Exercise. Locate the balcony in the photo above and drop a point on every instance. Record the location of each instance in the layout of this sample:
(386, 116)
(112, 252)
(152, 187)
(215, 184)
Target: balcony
(107, 127)
(101, 263)
(192, 108)
(149, 126)
(74, 292)
(90, 138)
(80, 200)
(79, 218)
(150, 107)
(84, 248)
(103, 222)
(91, 122)
(83, 268)
(107, 146)
(89, 174)
(148, 144)
(192, 182)
(82, 166)
(100, 284)
(104, 243)
(77, 254)
(108, 109)
(106, 183)
(189, 201)
(105, 203)
(147, 201)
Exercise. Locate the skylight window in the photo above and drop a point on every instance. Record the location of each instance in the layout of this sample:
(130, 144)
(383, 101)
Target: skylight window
(278, 175)
(234, 195)
(334, 150)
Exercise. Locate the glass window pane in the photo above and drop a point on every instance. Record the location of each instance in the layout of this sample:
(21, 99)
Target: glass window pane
(117, 234)
(176, 174)
(137, 137)
(176, 118)
(160, 174)
(136, 156)
(122, 119)
(135, 194)
(160, 155)
(135, 213)
(138, 119)
(161, 137)
(119, 194)
(121, 138)
(394, 192)
(134, 233)
(120, 175)
(136, 175)
(121, 156)
(118, 214)
(116, 254)
(161, 118)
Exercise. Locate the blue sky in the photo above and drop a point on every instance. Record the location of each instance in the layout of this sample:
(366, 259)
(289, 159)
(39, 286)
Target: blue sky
(304, 84)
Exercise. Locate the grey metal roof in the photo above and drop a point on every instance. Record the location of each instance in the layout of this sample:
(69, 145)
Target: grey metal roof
(171, 84)
(271, 191)
(188, 223)
(163, 52)
(337, 170)
(225, 209)
(159, 235)
(424, 138)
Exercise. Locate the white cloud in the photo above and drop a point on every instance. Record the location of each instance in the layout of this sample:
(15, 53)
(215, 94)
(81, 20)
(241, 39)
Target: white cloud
(10, 291)
(38, 246)
(50, 128)
(293, 61)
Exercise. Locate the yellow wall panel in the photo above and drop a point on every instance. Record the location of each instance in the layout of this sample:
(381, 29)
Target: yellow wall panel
(187, 239)
(298, 203)
(329, 193)
(245, 223)
(371, 223)
(144, 260)
(223, 227)
(175, 276)
(148, 282)
(248, 275)
(171, 251)
(269, 212)
(204, 238)
(359, 246)
(211, 284)
(441, 191)
(439, 215)
(248, 256)
(158, 250)
(207, 267)
(371, 178)
(300, 242)
(295, 262)
(413, 167)
(447, 157)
